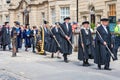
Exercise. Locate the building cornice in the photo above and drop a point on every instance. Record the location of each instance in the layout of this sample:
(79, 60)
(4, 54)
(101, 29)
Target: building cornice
(29, 3)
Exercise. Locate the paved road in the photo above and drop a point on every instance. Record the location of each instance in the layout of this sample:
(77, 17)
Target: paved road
(29, 66)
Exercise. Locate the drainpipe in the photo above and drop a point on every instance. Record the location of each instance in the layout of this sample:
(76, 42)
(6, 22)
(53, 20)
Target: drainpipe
(77, 9)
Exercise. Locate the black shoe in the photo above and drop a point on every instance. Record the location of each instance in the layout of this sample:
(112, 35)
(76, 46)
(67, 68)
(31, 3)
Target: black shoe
(14, 55)
(4, 49)
(45, 54)
(84, 64)
(107, 69)
(99, 67)
(87, 64)
(17, 51)
(52, 56)
(34, 51)
(26, 50)
(66, 61)
(58, 57)
(9, 49)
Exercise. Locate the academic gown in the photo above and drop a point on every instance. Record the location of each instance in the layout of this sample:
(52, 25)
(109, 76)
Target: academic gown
(88, 51)
(0, 37)
(33, 41)
(27, 38)
(6, 36)
(102, 55)
(47, 40)
(66, 47)
(19, 37)
(54, 46)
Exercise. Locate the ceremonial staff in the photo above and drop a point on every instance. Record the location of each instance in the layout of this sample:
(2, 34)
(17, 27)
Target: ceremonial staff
(113, 57)
(64, 34)
(54, 37)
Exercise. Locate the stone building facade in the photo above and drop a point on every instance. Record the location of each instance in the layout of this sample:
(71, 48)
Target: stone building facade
(35, 11)
(4, 13)
(94, 10)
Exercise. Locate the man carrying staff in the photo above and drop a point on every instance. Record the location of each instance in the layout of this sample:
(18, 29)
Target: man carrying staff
(14, 34)
(47, 37)
(85, 43)
(102, 40)
(66, 47)
(56, 40)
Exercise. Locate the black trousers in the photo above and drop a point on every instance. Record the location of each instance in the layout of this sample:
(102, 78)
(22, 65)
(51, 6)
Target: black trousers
(33, 47)
(107, 61)
(4, 47)
(65, 56)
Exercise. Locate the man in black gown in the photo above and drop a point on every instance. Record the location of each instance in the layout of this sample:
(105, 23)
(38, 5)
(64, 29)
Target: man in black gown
(66, 36)
(103, 39)
(85, 42)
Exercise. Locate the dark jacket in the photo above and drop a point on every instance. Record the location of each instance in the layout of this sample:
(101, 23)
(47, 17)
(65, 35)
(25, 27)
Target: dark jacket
(87, 40)
(54, 46)
(66, 48)
(47, 40)
(6, 38)
(102, 55)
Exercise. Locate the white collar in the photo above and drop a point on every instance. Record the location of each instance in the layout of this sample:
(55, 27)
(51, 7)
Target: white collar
(85, 28)
(104, 26)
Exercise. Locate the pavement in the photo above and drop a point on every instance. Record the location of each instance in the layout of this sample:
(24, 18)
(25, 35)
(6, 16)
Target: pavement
(30, 66)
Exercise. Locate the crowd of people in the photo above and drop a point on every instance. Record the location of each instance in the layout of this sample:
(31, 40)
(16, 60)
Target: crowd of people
(58, 38)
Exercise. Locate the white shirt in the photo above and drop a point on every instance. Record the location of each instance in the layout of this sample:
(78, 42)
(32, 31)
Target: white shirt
(45, 29)
(86, 30)
(105, 28)
(56, 29)
(27, 29)
(34, 32)
(67, 26)
(7, 30)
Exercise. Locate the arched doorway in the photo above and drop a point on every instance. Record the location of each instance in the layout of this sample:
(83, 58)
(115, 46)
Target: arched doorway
(25, 17)
(92, 15)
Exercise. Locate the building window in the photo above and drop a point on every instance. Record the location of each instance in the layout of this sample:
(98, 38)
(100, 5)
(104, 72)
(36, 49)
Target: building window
(43, 15)
(99, 18)
(7, 18)
(53, 15)
(112, 16)
(64, 12)
(112, 10)
(84, 18)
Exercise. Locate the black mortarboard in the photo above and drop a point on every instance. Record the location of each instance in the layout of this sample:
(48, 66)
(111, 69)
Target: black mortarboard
(57, 23)
(85, 22)
(34, 27)
(46, 22)
(17, 23)
(104, 19)
(6, 23)
(27, 24)
(67, 18)
(74, 22)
